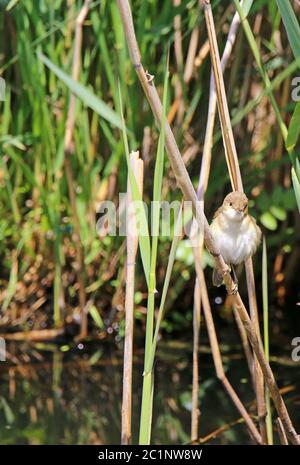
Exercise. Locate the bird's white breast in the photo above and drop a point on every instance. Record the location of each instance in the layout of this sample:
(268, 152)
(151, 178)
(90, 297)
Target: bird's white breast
(237, 240)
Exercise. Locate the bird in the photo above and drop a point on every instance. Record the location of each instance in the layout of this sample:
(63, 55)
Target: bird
(235, 232)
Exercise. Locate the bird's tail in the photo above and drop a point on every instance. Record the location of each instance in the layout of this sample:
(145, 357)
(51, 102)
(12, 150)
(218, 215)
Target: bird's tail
(217, 278)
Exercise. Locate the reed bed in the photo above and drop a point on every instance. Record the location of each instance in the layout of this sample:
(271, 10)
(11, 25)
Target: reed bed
(88, 88)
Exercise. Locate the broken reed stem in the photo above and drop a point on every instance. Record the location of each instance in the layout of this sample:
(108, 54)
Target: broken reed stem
(236, 182)
(189, 193)
(68, 152)
(131, 246)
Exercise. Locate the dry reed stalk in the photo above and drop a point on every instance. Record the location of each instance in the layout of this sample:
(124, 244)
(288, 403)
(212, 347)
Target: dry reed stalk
(256, 344)
(216, 353)
(202, 54)
(131, 246)
(218, 431)
(197, 252)
(228, 139)
(257, 373)
(189, 63)
(236, 182)
(204, 49)
(245, 343)
(195, 389)
(203, 180)
(34, 335)
(281, 433)
(186, 186)
(212, 107)
(179, 63)
(68, 152)
(69, 23)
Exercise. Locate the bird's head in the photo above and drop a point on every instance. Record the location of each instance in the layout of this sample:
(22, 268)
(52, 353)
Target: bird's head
(235, 206)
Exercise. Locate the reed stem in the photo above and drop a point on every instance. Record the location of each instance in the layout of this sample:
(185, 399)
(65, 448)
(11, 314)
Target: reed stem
(131, 246)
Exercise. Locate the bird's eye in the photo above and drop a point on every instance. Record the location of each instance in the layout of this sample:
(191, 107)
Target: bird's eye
(230, 204)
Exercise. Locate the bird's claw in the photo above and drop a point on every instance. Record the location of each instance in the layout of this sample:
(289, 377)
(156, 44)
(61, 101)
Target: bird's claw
(233, 290)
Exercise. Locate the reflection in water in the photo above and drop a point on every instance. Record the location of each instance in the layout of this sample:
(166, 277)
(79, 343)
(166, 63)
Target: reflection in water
(75, 398)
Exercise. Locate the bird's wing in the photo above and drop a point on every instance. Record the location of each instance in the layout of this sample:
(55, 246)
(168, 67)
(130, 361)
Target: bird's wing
(253, 220)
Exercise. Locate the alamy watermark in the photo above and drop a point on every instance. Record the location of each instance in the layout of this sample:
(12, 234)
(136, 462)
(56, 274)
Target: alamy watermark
(2, 350)
(296, 89)
(2, 89)
(132, 218)
(296, 351)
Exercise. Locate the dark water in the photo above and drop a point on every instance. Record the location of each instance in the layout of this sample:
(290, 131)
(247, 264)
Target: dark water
(74, 397)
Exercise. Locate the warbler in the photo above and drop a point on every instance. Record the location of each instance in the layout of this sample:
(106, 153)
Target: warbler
(235, 232)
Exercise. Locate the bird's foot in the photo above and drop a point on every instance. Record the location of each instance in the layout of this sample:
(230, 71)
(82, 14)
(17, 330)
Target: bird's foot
(235, 287)
(233, 290)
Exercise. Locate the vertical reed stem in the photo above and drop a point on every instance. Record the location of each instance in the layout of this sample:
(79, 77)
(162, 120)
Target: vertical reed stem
(132, 246)
(195, 390)
(236, 181)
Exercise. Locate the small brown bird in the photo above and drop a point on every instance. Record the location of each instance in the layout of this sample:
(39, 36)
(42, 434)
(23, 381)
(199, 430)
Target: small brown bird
(235, 232)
